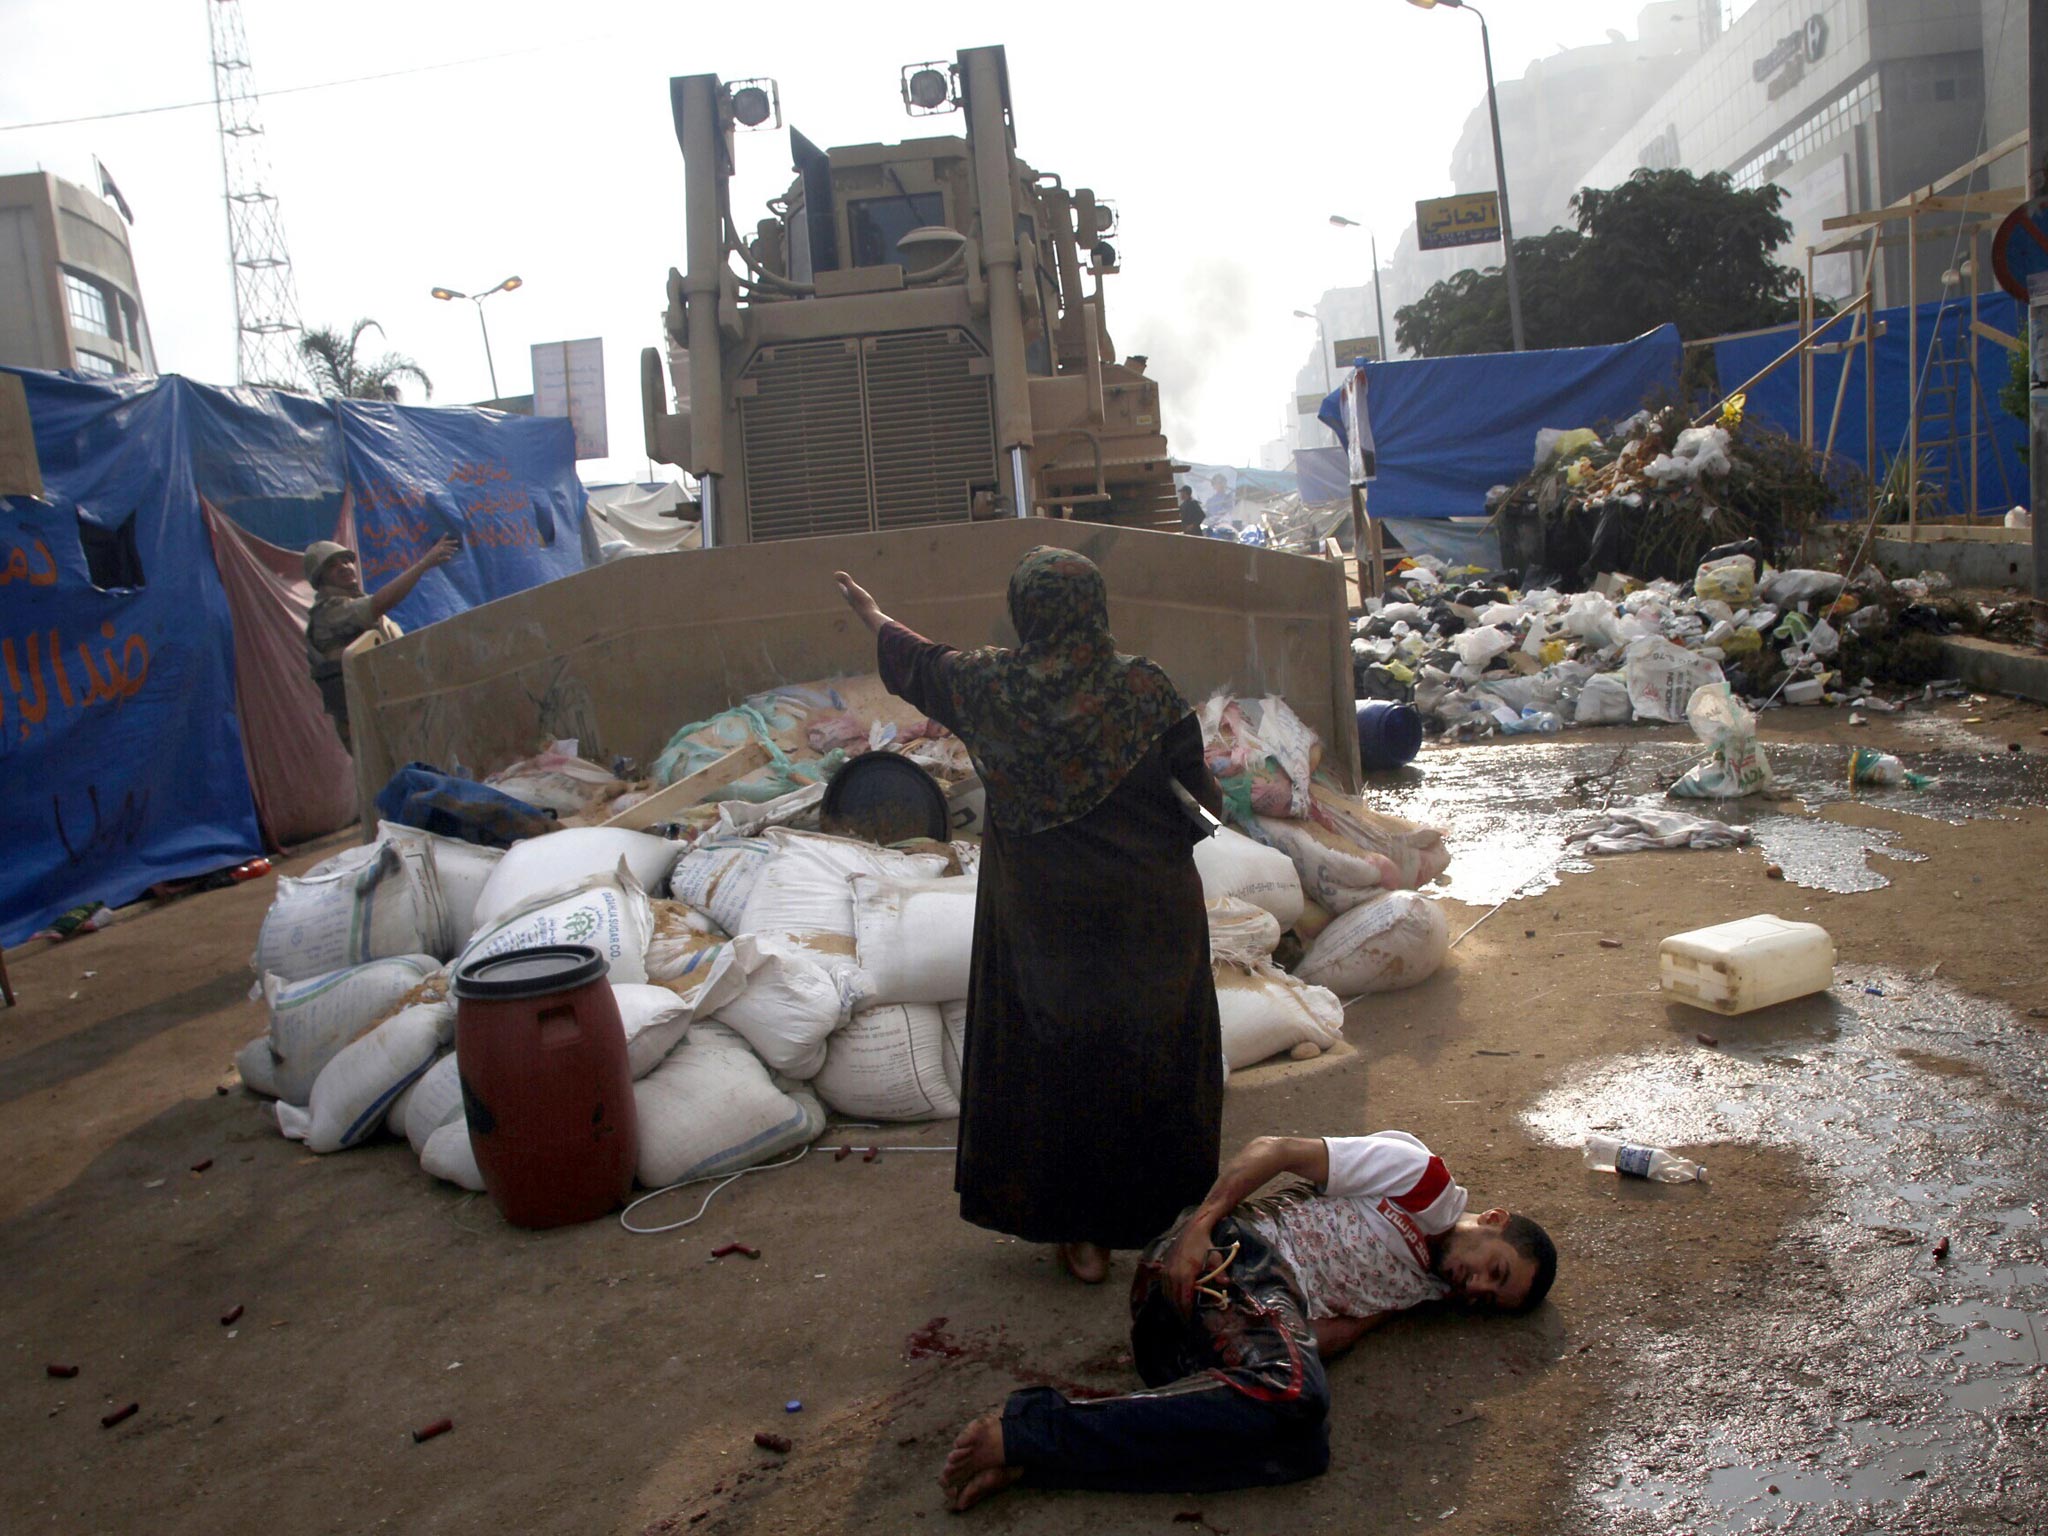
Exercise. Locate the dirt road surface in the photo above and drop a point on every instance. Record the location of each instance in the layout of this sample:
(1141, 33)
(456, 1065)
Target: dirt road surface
(1778, 1349)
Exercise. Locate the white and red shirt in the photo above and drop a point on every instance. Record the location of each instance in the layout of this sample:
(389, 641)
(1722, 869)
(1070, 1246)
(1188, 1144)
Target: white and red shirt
(1359, 1245)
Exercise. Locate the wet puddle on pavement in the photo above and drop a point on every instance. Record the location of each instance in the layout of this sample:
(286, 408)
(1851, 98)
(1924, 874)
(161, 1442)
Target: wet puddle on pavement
(1917, 1397)
(1506, 808)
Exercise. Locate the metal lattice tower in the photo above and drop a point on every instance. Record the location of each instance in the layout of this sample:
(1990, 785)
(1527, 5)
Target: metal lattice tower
(266, 302)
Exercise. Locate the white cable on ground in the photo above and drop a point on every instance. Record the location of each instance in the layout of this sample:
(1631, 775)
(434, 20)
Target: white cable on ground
(725, 1179)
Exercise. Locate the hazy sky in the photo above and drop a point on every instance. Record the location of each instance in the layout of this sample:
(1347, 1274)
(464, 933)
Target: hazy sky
(1226, 135)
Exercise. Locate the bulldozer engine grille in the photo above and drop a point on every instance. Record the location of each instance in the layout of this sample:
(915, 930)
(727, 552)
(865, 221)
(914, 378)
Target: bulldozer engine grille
(851, 436)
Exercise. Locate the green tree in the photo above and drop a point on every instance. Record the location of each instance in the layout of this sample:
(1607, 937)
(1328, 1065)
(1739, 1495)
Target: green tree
(1662, 246)
(336, 368)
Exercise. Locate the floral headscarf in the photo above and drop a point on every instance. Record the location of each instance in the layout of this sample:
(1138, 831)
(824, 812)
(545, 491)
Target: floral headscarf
(1056, 724)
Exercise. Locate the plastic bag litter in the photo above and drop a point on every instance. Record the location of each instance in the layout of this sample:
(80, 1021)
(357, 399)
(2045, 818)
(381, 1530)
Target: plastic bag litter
(1603, 700)
(1869, 766)
(1731, 581)
(1662, 678)
(1787, 589)
(1562, 443)
(1477, 647)
(1698, 451)
(1639, 831)
(1735, 764)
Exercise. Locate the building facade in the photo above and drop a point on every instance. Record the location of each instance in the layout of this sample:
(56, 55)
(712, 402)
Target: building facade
(69, 297)
(1849, 105)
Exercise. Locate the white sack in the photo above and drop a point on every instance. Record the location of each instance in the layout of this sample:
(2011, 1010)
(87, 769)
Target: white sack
(914, 939)
(954, 1016)
(717, 876)
(310, 1021)
(1240, 932)
(1735, 764)
(804, 887)
(1232, 864)
(609, 913)
(257, 1067)
(686, 943)
(656, 1020)
(461, 870)
(564, 861)
(436, 1101)
(1266, 1012)
(448, 1155)
(789, 1005)
(394, 1117)
(1416, 851)
(1662, 678)
(1392, 941)
(1604, 701)
(354, 1091)
(389, 904)
(890, 1064)
(1339, 878)
(711, 1108)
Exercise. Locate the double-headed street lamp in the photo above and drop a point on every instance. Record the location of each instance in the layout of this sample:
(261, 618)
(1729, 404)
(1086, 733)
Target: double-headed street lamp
(1500, 168)
(478, 300)
(1379, 310)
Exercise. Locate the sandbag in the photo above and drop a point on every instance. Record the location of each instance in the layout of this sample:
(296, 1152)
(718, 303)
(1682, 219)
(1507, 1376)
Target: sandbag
(656, 1021)
(789, 1005)
(718, 875)
(1603, 700)
(448, 1155)
(954, 1016)
(1416, 851)
(804, 887)
(387, 904)
(310, 1021)
(685, 943)
(565, 860)
(461, 871)
(1662, 678)
(1338, 873)
(354, 1091)
(607, 912)
(889, 1063)
(1315, 917)
(1240, 932)
(1232, 864)
(401, 1103)
(1394, 940)
(914, 939)
(1266, 1012)
(711, 1108)
(436, 1100)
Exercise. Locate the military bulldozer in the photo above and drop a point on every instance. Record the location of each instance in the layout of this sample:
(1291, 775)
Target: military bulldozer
(914, 335)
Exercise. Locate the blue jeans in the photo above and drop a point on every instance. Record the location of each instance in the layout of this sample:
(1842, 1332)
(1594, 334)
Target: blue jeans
(1237, 1397)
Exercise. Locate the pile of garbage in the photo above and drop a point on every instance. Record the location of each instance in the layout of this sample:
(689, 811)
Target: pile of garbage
(769, 972)
(1654, 493)
(1478, 655)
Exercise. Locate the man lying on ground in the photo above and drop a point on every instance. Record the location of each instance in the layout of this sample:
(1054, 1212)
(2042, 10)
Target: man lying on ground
(1234, 1310)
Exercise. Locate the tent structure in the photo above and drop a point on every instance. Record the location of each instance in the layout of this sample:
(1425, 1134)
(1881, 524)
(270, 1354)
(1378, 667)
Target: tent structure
(637, 518)
(157, 719)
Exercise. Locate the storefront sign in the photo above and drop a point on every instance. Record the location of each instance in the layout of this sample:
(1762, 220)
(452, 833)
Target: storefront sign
(1785, 65)
(1444, 223)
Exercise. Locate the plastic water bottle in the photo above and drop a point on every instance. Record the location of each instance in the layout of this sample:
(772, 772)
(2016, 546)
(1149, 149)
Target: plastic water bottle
(1610, 1154)
(1534, 722)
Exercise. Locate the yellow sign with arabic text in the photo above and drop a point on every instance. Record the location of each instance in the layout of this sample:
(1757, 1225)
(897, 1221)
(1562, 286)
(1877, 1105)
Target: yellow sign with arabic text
(1444, 223)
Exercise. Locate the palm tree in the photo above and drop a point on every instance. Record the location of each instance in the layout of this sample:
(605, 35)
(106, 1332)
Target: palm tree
(331, 359)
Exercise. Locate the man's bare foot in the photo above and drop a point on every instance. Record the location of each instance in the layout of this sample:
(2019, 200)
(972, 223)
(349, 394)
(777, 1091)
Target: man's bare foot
(1086, 1262)
(974, 1467)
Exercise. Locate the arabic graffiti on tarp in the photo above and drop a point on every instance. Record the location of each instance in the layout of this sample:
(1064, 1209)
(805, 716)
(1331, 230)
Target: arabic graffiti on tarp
(504, 486)
(1444, 223)
(118, 734)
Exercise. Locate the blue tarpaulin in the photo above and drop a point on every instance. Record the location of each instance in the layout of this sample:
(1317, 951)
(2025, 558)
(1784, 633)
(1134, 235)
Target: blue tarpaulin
(2001, 477)
(124, 751)
(1448, 429)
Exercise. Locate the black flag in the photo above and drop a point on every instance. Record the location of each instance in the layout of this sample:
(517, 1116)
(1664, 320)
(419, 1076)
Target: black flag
(109, 190)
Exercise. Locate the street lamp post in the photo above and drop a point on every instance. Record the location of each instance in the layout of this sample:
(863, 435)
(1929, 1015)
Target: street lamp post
(478, 300)
(1500, 168)
(1322, 344)
(1379, 309)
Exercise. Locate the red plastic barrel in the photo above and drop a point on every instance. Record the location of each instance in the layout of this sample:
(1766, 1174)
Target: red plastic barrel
(545, 1084)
